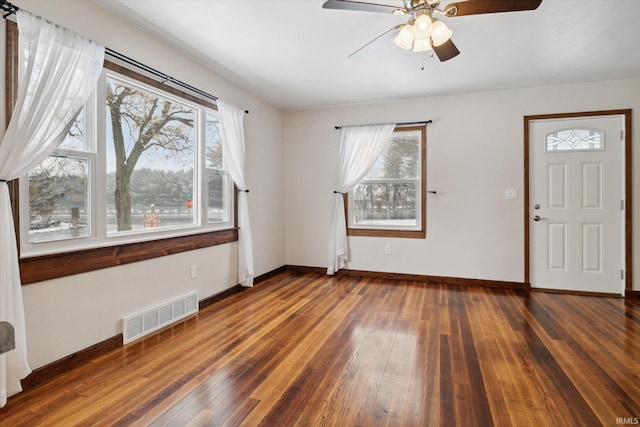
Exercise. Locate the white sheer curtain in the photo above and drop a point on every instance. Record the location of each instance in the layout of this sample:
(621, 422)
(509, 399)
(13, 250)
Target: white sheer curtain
(360, 146)
(232, 131)
(58, 71)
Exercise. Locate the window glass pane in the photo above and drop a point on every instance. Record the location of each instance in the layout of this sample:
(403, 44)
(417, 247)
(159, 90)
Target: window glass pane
(58, 207)
(218, 180)
(76, 138)
(401, 160)
(150, 159)
(213, 143)
(218, 210)
(575, 140)
(385, 204)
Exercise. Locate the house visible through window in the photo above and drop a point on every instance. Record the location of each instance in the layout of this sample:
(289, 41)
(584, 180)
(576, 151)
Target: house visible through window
(390, 200)
(137, 164)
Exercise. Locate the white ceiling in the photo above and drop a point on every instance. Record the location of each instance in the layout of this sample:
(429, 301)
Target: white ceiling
(293, 53)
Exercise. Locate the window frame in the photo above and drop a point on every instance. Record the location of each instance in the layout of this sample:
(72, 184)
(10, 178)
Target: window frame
(373, 231)
(65, 263)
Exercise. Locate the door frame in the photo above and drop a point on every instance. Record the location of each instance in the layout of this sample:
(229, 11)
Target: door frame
(628, 181)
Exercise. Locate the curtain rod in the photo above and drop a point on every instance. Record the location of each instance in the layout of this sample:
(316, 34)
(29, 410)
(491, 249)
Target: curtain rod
(165, 78)
(425, 122)
(10, 9)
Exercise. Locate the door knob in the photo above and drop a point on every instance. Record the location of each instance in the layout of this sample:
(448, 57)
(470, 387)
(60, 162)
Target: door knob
(538, 218)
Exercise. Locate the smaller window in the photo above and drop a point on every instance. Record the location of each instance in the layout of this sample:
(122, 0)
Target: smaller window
(390, 200)
(575, 140)
(58, 189)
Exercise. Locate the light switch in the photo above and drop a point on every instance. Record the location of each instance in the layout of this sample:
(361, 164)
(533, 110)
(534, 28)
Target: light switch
(512, 194)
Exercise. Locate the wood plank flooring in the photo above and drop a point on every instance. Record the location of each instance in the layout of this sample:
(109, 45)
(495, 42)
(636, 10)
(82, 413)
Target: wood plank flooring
(311, 350)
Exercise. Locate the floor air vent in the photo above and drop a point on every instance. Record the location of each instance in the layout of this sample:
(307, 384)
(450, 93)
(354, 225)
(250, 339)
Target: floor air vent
(141, 324)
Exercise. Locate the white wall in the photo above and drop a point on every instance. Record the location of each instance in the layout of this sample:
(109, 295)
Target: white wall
(474, 154)
(68, 314)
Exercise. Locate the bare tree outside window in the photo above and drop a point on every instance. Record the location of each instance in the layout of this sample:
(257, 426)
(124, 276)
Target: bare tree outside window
(148, 136)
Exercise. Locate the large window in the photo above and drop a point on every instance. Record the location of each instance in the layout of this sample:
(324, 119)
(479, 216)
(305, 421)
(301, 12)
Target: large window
(390, 200)
(140, 175)
(138, 164)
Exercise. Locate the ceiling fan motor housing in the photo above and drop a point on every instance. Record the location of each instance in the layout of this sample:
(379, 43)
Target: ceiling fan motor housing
(412, 4)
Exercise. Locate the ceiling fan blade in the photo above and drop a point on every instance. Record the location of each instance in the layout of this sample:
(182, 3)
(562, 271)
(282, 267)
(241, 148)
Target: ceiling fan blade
(397, 27)
(477, 7)
(359, 6)
(446, 51)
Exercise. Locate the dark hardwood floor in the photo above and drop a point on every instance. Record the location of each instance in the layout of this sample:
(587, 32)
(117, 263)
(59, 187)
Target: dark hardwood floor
(307, 349)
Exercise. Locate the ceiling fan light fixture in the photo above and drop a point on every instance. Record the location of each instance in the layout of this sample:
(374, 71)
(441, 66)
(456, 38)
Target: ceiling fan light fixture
(422, 45)
(404, 39)
(440, 33)
(422, 27)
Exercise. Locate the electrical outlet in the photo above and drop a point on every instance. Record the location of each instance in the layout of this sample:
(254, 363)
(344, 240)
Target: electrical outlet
(194, 271)
(387, 249)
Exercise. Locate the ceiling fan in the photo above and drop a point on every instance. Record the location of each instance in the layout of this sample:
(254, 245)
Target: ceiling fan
(423, 32)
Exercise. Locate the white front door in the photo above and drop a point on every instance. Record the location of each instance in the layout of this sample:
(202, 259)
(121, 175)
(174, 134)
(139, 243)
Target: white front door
(575, 213)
